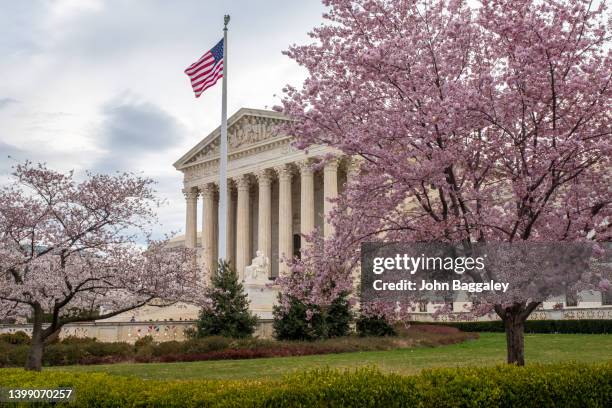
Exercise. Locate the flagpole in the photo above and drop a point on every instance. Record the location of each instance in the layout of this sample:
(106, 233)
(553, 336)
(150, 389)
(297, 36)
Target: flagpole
(223, 154)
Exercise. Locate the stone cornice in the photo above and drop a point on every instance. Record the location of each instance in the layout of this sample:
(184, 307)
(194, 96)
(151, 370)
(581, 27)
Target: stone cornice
(202, 168)
(213, 160)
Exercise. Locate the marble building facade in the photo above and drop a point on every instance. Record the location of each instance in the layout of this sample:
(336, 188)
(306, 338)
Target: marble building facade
(274, 193)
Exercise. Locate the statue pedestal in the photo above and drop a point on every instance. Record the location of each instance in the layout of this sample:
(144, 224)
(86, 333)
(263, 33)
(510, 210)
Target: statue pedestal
(257, 286)
(262, 298)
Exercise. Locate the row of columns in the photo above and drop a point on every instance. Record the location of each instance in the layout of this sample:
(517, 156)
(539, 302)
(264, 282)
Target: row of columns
(239, 230)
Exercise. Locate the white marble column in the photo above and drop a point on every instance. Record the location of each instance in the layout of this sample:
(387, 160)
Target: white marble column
(215, 245)
(191, 229)
(352, 169)
(231, 226)
(353, 166)
(243, 225)
(285, 221)
(209, 228)
(352, 172)
(307, 205)
(264, 219)
(330, 191)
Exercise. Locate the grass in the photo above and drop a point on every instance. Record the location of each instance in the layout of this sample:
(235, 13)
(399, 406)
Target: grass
(488, 350)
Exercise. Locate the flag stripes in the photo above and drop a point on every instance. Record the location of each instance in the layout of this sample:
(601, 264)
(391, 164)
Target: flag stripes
(206, 71)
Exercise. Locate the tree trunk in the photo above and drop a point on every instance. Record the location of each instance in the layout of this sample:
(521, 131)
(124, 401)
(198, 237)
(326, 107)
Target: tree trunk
(515, 338)
(514, 317)
(35, 354)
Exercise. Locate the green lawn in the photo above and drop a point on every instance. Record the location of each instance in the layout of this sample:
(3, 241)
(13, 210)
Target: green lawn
(488, 350)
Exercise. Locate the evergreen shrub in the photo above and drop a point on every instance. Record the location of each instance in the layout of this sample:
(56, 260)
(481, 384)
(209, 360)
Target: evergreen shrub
(228, 314)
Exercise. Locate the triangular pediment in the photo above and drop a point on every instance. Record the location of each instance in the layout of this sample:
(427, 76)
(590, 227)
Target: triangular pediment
(247, 127)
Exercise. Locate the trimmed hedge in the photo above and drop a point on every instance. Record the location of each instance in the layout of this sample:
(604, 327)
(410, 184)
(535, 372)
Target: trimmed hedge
(68, 352)
(540, 326)
(17, 338)
(90, 351)
(559, 385)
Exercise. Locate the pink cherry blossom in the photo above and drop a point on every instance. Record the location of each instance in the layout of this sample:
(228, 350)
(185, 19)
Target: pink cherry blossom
(472, 124)
(69, 250)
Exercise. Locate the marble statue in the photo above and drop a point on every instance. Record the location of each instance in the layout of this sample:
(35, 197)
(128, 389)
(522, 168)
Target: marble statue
(259, 270)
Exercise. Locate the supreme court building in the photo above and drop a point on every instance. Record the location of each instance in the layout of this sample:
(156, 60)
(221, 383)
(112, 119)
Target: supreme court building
(274, 195)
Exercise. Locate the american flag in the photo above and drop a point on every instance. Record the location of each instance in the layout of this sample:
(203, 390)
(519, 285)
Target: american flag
(205, 72)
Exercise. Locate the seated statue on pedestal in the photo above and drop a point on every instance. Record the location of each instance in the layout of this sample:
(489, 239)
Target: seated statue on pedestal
(259, 270)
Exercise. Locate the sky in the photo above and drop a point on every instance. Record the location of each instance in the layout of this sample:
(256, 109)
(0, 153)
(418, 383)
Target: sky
(99, 84)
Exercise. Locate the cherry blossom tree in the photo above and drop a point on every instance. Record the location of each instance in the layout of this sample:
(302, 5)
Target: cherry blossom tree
(471, 124)
(69, 251)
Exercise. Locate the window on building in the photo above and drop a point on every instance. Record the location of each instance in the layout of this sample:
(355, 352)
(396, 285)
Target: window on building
(450, 301)
(297, 245)
(423, 306)
(571, 298)
(606, 297)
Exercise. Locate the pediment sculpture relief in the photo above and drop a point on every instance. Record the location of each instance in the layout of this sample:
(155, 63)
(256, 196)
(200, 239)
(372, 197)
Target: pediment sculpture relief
(209, 150)
(249, 130)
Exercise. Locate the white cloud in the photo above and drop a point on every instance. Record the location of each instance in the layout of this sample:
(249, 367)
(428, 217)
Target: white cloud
(84, 81)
